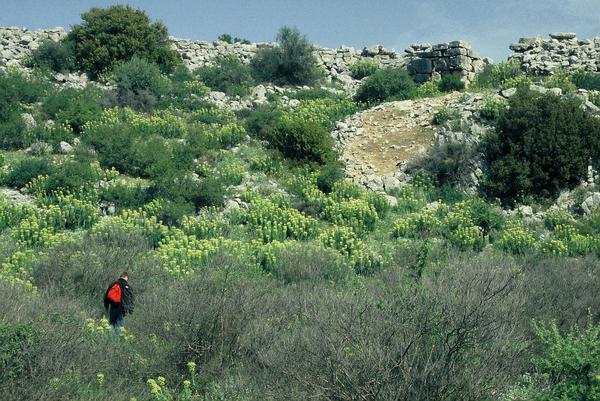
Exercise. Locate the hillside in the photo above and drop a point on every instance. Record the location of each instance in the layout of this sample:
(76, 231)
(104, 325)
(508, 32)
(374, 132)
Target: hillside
(296, 222)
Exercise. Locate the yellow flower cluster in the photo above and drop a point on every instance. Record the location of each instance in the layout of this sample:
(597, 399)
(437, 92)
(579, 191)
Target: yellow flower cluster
(355, 213)
(320, 111)
(272, 222)
(132, 220)
(14, 270)
(347, 243)
(517, 239)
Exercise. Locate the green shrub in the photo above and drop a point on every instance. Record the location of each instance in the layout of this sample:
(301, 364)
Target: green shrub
(450, 83)
(561, 79)
(53, 56)
(586, 80)
(291, 62)
(74, 107)
(448, 163)
(441, 116)
(329, 174)
(492, 108)
(125, 196)
(139, 84)
(108, 36)
(228, 74)
(569, 363)
(543, 144)
(22, 172)
(303, 140)
(18, 344)
(428, 89)
(496, 76)
(227, 38)
(363, 68)
(387, 84)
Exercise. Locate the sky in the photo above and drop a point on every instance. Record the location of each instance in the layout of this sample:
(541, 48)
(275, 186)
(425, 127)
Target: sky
(489, 25)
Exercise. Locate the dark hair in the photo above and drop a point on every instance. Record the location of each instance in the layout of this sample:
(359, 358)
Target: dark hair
(124, 275)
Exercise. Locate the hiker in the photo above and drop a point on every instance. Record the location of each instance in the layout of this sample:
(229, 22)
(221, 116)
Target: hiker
(118, 300)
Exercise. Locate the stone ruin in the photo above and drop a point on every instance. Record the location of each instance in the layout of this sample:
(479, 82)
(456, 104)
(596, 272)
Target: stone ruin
(423, 61)
(562, 51)
(426, 62)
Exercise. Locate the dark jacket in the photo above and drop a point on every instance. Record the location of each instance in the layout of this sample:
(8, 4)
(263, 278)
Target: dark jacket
(126, 304)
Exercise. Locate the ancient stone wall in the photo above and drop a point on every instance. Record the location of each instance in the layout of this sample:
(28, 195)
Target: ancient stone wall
(562, 51)
(426, 61)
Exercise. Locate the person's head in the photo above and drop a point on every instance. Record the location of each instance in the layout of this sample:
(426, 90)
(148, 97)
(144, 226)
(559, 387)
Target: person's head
(124, 276)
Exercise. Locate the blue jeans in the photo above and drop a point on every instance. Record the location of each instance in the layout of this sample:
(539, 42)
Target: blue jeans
(117, 325)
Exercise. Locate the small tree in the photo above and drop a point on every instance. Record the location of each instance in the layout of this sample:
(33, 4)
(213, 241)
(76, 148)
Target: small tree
(292, 62)
(111, 35)
(139, 84)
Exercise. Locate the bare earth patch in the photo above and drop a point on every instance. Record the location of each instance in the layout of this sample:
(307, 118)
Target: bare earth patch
(393, 134)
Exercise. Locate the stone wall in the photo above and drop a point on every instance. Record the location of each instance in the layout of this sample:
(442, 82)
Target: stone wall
(562, 51)
(426, 61)
(423, 61)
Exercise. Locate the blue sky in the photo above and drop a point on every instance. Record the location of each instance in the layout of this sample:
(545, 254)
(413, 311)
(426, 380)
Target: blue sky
(490, 25)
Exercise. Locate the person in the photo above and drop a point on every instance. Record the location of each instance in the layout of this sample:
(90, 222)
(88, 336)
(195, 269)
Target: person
(118, 301)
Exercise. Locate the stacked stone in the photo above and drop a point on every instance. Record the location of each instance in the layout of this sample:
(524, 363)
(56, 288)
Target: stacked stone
(562, 51)
(426, 62)
(198, 53)
(16, 43)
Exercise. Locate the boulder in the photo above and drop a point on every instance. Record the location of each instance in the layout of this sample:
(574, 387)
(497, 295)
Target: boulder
(65, 148)
(563, 35)
(591, 203)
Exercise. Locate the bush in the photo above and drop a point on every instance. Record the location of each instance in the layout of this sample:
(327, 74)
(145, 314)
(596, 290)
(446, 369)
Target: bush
(139, 84)
(569, 362)
(22, 172)
(53, 56)
(363, 68)
(586, 80)
(450, 83)
(228, 74)
(543, 144)
(291, 62)
(227, 38)
(303, 140)
(492, 108)
(385, 85)
(74, 107)
(329, 174)
(449, 163)
(496, 76)
(115, 34)
(561, 79)
(428, 89)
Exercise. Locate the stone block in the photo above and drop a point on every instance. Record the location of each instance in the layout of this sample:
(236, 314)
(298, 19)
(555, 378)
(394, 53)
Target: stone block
(459, 63)
(420, 66)
(563, 35)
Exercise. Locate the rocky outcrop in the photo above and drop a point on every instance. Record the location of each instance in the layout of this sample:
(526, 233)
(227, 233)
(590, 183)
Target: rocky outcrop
(562, 51)
(16, 43)
(426, 61)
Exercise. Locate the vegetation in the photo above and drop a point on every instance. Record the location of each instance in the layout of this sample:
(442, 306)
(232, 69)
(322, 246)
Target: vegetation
(228, 74)
(260, 273)
(363, 68)
(291, 62)
(108, 36)
(385, 85)
(53, 56)
(543, 145)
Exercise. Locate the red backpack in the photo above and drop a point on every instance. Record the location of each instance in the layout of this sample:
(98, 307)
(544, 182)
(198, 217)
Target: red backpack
(114, 294)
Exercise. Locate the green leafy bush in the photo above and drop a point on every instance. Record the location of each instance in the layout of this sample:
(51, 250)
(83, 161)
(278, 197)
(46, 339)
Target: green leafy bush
(291, 62)
(561, 79)
(428, 89)
(53, 56)
(22, 172)
(492, 108)
(387, 84)
(451, 82)
(543, 144)
(228, 74)
(363, 68)
(496, 76)
(139, 84)
(569, 363)
(227, 38)
(74, 107)
(108, 36)
(441, 116)
(586, 80)
(303, 140)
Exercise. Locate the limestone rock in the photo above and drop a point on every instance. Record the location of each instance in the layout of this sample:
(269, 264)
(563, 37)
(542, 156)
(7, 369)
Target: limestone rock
(65, 148)
(591, 203)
